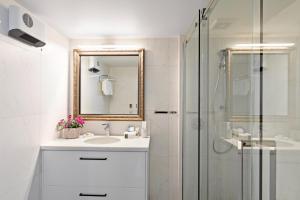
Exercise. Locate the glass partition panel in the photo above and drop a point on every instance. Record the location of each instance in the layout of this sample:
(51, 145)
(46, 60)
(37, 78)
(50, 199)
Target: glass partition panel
(204, 108)
(247, 145)
(233, 94)
(190, 127)
(281, 94)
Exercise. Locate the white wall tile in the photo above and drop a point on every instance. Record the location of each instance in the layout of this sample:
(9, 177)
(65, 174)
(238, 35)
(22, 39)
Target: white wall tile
(173, 89)
(173, 52)
(157, 51)
(117, 128)
(159, 178)
(158, 96)
(174, 185)
(34, 91)
(174, 135)
(54, 83)
(159, 145)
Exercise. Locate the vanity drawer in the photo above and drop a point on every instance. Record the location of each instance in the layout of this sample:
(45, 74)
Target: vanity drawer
(84, 168)
(84, 193)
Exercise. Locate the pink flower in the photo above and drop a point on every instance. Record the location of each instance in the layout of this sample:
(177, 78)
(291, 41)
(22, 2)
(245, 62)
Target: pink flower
(69, 117)
(69, 121)
(61, 122)
(79, 120)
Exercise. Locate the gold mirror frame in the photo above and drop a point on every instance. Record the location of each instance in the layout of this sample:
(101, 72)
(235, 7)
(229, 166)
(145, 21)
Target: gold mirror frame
(249, 118)
(77, 53)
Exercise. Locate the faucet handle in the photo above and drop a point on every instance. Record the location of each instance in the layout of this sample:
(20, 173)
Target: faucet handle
(107, 125)
(107, 128)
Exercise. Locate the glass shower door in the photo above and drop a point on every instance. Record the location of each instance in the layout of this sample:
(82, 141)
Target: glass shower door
(229, 98)
(190, 127)
(245, 98)
(203, 111)
(281, 106)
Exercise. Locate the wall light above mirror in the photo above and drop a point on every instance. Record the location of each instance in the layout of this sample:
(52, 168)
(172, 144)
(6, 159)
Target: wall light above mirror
(109, 85)
(265, 46)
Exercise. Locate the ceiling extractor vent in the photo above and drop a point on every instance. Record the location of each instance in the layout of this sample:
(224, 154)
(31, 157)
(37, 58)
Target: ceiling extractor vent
(221, 24)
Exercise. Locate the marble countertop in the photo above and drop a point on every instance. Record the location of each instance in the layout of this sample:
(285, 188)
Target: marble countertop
(79, 144)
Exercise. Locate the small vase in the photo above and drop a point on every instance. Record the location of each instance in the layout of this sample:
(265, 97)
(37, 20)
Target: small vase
(70, 133)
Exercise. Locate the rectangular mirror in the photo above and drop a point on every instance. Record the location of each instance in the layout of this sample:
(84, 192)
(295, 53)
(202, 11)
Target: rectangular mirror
(243, 79)
(109, 85)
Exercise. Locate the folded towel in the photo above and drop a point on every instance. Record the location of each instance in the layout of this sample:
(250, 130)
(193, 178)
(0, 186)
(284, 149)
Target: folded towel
(107, 87)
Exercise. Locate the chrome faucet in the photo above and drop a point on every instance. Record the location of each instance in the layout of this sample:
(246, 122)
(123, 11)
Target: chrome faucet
(107, 128)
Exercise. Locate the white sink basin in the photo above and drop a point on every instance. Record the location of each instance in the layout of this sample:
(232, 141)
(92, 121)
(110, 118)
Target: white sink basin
(102, 140)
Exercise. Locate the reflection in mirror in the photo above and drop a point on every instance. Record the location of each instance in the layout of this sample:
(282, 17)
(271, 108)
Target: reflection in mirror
(243, 82)
(109, 85)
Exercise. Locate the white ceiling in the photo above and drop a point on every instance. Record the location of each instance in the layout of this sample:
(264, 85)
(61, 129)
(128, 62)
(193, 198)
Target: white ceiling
(116, 18)
(280, 18)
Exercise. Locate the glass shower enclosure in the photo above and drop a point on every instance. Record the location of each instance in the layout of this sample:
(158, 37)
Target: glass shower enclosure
(190, 110)
(241, 110)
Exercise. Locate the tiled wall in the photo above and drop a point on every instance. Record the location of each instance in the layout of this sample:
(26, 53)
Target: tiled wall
(30, 104)
(161, 93)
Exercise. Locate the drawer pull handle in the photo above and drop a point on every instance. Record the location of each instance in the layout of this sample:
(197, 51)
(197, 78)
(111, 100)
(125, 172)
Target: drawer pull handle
(92, 195)
(92, 158)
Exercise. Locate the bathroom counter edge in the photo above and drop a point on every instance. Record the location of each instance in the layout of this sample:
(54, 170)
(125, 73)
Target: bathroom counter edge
(132, 144)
